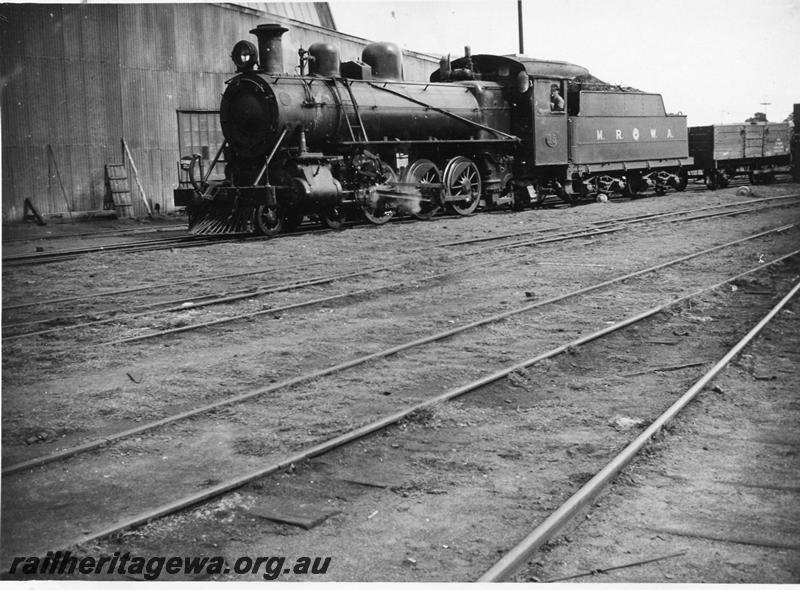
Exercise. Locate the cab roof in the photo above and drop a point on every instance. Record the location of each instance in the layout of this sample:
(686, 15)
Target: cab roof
(502, 68)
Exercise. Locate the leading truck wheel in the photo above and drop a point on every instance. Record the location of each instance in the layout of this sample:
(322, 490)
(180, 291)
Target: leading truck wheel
(267, 221)
(424, 179)
(333, 216)
(462, 181)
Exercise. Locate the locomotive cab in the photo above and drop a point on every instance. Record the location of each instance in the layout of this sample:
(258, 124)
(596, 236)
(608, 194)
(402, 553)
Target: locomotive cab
(549, 142)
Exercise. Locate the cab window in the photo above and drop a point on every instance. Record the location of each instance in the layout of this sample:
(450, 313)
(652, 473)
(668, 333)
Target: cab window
(550, 97)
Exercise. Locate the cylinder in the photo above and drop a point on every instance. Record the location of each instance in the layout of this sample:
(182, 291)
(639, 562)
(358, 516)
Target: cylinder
(386, 61)
(326, 60)
(270, 47)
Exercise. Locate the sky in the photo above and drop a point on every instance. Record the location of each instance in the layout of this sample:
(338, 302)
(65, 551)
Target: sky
(715, 61)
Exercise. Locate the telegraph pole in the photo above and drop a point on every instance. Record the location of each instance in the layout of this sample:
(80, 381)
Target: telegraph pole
(765, 105)
(519, 20)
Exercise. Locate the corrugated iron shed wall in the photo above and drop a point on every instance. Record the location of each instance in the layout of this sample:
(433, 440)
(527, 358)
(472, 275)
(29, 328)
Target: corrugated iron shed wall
(81, 77)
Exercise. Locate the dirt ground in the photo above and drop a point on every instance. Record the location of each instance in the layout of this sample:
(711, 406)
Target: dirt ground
(440, 496)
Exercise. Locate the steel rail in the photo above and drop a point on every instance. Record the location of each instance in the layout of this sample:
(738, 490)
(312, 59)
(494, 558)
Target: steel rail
(184, 241)
(214, 299)
(94, 444)
(623, 226)
(301, 304)
(519, 555)
(632, 218)
(380, 424)
(137, 288)
(613, 229)
(586, 227)
(191, 241)
(233, 275)
(182, 304)
(661, 220)
(181, 301)
(48, 258)
(107, 248)
(100, 232)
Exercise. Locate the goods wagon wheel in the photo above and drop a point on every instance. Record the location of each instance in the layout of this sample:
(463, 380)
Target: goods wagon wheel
(462, 180)
(267, 221)
(710, 178)
(426, 179)
(716, 179)
(377, 208)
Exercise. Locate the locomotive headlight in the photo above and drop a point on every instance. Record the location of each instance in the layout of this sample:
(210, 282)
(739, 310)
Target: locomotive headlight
(244, 56)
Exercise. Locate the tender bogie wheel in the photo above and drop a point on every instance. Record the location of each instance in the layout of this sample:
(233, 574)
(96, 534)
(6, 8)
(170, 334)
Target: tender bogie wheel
(422, 174)
(566, 196)
(267, 221)
(462, 179)
(541, 197)
(376, 208)
(683, 180)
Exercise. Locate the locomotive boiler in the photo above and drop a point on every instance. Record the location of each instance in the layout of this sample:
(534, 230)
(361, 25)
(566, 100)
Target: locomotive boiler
(350, 138)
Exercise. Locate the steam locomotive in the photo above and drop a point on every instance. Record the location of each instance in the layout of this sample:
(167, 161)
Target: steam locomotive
(355, 137)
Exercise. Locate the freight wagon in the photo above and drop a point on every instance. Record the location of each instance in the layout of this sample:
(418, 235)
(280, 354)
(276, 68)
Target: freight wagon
(758, 150)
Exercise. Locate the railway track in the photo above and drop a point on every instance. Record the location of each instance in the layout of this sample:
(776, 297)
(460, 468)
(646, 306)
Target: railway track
(37, 474)
(12, 329)
(130, 247)
(515, 559)
(54, 482)
(316, 467)
(185, 241)
(141, 429)
(103, 233)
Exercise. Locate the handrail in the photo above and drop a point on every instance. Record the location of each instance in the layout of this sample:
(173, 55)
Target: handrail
(214, 163)
(355, 110)
(271, 155)
(444, 112)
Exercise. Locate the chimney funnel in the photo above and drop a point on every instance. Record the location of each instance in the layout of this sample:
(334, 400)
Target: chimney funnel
(270, 47)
